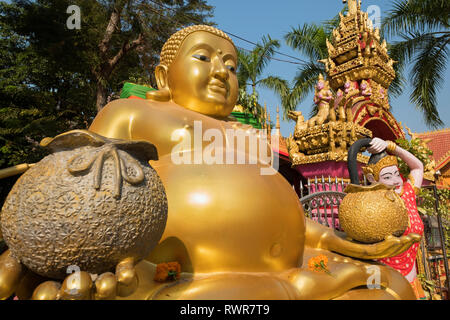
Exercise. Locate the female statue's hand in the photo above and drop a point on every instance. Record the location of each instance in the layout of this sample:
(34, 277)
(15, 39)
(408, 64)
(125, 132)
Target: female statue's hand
(377, 145)
(389, 247)
(319, 236)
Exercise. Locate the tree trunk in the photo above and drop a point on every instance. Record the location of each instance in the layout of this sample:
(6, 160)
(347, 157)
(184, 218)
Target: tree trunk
(101, 96)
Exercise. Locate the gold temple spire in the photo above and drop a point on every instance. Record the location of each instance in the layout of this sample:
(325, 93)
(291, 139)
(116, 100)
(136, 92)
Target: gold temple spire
(265, 116)
(277, 126)
(356, 51)
(353, 6)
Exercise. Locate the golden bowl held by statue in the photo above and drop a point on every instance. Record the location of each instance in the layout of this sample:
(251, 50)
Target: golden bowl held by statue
(370, 214)
(88, 205)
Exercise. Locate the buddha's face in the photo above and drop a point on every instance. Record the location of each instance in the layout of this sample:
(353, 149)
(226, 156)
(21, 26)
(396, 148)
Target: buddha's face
(390, 176)
(202, 77)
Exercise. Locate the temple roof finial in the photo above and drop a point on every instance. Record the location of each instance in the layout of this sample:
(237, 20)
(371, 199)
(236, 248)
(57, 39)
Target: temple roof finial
(352, 6)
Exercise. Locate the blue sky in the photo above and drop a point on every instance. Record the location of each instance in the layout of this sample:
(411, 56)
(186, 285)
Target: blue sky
(251, 19)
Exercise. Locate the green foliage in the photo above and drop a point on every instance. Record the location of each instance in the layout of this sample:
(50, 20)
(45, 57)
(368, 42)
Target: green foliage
(310, 40)
(423, 26)
(50, 76)
(250, 102)
(418, 148)
(251, 66)
(429, 286)
(290, 96)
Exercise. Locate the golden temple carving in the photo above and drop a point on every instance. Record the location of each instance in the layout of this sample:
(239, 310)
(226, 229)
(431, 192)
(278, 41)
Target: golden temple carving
(359, 73)
(356, 52)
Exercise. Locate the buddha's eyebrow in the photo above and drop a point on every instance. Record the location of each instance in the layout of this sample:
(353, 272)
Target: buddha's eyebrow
(202, 46)
(230, 56)
(386, 174)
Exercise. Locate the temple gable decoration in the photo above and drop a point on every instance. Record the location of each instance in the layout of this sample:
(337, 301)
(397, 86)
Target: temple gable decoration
(352, 101)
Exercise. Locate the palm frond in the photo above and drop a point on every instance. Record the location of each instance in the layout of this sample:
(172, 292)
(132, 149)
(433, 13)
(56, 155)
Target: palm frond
(428, 76)
(417, 16)
(403, 52)
(264, 52)
(309, 40)
(243, 72)
(281, 88)
(278, 85)
(306, 79)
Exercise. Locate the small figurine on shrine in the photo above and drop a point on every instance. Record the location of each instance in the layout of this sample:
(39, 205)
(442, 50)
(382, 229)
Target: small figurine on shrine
(383, 168)
(366, 89)
(322, 99)
(300, 123)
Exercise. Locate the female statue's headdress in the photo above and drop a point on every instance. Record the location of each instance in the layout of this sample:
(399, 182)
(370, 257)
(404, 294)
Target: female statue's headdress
(377, 162)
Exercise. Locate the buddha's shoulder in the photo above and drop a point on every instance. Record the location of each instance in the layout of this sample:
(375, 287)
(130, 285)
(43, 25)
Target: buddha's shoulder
(131, 106)
(148, 110)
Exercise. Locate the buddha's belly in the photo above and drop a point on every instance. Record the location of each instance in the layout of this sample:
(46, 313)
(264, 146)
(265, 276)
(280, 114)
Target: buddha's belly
(232, 218)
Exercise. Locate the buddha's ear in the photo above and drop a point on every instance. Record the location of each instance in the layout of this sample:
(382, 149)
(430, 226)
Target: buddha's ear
(161, 77)
(163, 93)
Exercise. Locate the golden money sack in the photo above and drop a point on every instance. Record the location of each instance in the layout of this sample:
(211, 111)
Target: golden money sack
(91, 203)
(370, 214)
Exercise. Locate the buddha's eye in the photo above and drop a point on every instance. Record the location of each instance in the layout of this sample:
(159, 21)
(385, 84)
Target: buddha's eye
(201, 57)
(231, 68)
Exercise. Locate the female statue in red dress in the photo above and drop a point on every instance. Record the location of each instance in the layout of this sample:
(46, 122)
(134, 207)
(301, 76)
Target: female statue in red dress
(383, 168)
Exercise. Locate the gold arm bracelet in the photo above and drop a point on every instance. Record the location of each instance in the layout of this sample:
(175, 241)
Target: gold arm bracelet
(391, 146)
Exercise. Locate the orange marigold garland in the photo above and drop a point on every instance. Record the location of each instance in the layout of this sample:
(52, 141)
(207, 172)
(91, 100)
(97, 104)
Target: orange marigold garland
(319, 264)
(167, 271)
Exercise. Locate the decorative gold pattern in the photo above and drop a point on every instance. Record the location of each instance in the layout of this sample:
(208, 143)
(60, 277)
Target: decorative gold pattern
(370, 214)
(359, 71)
(356, 52)
(391, 147)
(374, 169)
(329, 141)
(53, 217)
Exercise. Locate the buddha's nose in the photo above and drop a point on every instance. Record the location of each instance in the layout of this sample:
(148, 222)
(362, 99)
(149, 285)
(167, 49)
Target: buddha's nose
(219, 70)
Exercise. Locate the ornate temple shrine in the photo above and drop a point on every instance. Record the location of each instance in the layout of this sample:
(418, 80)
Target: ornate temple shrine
(352, 100)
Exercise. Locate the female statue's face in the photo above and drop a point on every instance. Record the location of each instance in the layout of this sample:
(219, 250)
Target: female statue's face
(202, 77)
(390, 176)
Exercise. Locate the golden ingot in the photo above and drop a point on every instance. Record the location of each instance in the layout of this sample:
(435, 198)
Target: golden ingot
(89, 205)
(370, 214)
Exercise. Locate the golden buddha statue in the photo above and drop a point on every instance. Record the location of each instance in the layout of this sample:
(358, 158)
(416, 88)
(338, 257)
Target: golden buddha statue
(237, 234)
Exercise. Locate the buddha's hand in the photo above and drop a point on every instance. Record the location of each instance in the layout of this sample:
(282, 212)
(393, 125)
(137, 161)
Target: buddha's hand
(391, 246)
(80, 285)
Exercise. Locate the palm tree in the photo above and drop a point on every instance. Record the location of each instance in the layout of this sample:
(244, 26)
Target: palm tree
(310, 41)
(423, 26)
(251, 66)
(290, 96)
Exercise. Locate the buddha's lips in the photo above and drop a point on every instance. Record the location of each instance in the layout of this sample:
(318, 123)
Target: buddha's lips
(217, 86)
